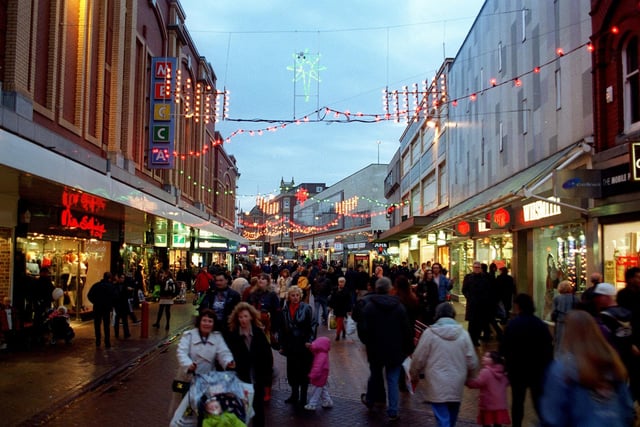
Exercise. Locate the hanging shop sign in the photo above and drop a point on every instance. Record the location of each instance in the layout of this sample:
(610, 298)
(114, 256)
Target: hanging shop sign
(79, 213)
(161, 114)
(463, 228)
(501, 218)
(635, 161)
(577, 183)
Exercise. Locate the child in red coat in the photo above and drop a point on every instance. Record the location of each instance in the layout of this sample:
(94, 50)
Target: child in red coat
(492, 382)
(319, 374)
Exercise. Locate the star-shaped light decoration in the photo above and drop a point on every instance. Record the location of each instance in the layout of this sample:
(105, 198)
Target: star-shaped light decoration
(302, 195)
(307, 68)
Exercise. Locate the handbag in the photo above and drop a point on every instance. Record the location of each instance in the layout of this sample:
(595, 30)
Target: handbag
(180, 386)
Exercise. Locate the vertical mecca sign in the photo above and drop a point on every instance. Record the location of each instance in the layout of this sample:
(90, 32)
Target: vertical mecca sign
(162, 117)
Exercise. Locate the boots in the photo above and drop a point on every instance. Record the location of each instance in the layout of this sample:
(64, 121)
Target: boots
(295, 395)
(303, 394)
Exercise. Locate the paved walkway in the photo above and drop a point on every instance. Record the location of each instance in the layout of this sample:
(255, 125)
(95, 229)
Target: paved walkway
(46, 378)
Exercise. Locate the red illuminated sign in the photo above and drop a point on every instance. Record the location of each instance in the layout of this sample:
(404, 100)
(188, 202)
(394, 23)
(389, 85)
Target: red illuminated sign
(463, 228)
(86, 203)
(501, 217)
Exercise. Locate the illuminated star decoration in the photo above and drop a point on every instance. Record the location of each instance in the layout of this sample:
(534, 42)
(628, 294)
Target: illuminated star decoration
(307, 68)
(302, 195)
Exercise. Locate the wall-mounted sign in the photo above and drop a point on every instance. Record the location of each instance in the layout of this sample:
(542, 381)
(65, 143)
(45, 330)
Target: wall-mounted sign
(84, 203)
(161, 117)
(635, 161)
(540, 209)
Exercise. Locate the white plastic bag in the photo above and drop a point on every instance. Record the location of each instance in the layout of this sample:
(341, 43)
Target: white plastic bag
(406, 365)
(350, 325)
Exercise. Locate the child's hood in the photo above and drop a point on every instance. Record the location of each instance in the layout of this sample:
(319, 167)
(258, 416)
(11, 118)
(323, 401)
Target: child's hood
(321, 344)
(496, 370)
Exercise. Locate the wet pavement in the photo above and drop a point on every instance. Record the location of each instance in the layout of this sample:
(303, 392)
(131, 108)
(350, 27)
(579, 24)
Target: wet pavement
(78, 384)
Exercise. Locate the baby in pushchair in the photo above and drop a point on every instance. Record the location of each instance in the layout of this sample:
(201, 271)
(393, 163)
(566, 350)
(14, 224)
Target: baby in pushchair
(219, 398)
(58, 322)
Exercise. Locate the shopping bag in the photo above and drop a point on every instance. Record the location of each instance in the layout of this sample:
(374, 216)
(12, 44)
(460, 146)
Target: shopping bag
(331, 321)
(406, 365)
(350, 325)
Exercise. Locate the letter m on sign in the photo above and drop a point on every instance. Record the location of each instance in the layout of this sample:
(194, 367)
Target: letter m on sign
(162, 69)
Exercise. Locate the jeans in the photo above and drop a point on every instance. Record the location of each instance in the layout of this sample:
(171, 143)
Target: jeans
(446, 413)
(320, 303)
(102, 318)
(375, 387)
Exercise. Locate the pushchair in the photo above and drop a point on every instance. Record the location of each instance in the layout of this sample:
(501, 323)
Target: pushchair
(213, 399)
(58, 325)
(182, 293)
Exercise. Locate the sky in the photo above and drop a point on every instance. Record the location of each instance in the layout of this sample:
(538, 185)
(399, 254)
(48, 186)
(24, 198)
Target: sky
(357, 48)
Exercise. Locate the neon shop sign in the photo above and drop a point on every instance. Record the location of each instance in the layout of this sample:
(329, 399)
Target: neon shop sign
(87, 204)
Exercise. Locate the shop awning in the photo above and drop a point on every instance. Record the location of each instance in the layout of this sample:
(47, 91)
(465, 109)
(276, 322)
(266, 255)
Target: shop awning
(42, 162)
(516, 187)
(406, 228)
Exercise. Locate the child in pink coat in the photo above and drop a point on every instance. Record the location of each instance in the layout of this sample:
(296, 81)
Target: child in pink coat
(319, 374)
(492, 382)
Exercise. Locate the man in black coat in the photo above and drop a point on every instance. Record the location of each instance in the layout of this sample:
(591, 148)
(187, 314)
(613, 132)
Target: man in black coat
(102, 295)
(527, 347)
(476, 290)
(387, 335)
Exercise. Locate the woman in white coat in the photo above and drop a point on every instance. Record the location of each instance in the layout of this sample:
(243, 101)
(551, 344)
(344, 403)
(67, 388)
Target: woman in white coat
(199, 349)
(446, 356)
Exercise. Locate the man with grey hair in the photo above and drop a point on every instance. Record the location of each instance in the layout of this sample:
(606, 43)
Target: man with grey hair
(446, 356)
(386, 333)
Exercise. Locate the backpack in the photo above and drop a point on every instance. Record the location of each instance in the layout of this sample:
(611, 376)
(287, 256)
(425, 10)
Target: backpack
(617, 320)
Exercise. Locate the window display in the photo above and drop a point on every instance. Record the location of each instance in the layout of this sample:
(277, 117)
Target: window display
(621, 250)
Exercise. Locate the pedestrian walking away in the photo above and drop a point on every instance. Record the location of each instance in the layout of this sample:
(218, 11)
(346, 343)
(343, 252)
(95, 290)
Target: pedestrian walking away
(446, 357)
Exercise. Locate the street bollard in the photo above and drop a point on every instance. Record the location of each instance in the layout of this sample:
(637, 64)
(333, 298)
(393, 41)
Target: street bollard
(144, 325)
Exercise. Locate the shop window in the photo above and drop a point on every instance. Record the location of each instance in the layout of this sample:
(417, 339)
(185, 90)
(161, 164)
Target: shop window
(621, 251)
(631, 78)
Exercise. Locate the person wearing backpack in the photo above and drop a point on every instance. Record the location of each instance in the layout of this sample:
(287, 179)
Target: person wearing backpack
(614, 322)
(167, 293)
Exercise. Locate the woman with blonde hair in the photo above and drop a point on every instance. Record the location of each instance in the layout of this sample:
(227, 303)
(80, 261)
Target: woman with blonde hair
(564, 302)
(586, 384)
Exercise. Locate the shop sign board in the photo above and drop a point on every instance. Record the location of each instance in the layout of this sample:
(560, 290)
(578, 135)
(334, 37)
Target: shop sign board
(540, 209)
(500, 218)
(577, 183)
(635, 161)
(162, 113)
(463, 228)
(618, 180)
(87, 205)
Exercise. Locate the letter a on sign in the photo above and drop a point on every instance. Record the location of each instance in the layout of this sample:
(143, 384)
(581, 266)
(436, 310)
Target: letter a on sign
(160, 157)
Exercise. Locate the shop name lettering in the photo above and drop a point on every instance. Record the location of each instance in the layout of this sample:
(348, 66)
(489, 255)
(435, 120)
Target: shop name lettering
(540, 209)
(86, 222)
(618, 179)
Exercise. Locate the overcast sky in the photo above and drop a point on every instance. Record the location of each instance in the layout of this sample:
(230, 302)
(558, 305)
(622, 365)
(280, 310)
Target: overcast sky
(363, 47)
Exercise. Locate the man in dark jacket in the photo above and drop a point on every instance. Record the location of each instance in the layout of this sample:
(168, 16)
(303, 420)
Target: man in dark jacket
(475, 288)
(221, 299)
(387, 335)
(102, 295)
(527, 348)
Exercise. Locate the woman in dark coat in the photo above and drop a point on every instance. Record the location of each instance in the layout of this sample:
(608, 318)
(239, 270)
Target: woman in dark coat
(298, 328)
(427, 292)
(340, 302)
(252, 354)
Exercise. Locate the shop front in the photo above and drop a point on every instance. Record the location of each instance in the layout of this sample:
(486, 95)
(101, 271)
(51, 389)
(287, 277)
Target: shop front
(70, 234)
(554, 248)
